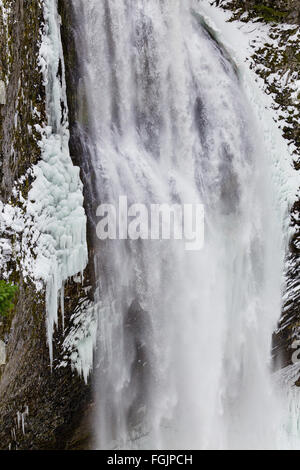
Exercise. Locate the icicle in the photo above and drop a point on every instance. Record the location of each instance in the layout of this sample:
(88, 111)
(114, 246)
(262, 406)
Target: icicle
(62, 306)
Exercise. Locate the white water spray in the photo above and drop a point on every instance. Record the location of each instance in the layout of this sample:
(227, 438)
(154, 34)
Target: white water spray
(184, 339)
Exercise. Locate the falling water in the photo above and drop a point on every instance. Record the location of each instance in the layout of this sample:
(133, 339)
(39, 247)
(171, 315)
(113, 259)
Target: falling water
(184, 340)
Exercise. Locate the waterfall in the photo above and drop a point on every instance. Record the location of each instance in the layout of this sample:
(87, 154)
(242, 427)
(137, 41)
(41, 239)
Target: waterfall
(184, 338)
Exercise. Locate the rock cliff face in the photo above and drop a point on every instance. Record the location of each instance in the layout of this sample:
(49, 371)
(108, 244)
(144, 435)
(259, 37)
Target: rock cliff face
(18, 46)
(40, 408)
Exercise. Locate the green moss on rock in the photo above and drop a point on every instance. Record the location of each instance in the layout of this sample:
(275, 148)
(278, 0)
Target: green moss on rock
(269, 14)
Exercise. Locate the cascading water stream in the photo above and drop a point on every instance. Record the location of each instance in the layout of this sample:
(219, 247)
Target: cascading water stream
(184, 340)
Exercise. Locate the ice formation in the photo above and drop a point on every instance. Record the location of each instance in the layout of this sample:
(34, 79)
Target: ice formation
(56, 199)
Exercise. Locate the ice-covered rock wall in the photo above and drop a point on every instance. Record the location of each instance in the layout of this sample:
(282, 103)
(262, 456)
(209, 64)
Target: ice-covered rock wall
(43, 233)
(56, 198)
